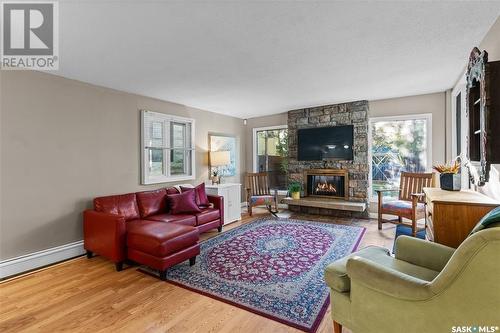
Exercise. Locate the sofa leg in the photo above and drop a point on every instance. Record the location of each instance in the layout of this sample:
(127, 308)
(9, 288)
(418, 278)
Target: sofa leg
(250, 210)
(219, 229)
(119, 266)
(337, 328)
(89, 254)
(192, 261)
(163, 275)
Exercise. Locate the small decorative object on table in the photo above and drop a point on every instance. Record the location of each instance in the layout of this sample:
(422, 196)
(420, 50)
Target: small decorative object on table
(294, 188)
(449, 178)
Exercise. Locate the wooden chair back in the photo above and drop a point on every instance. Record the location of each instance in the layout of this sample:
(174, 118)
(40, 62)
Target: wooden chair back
(412, 182)
(258, 183)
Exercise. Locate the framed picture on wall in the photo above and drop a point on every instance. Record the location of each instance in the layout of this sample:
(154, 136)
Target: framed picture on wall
(223, 143)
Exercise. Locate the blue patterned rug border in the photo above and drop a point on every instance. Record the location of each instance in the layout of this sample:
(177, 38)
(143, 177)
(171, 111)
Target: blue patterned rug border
(250, 225)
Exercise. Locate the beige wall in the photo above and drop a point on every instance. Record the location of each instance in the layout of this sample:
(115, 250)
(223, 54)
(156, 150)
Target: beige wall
(429, 103)
(64, 142)
(491, 42)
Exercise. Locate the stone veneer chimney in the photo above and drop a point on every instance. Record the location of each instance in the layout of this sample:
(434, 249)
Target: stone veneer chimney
(354, 113)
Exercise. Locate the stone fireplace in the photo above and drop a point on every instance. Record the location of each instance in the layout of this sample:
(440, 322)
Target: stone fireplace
(348, 177)
(327, 183)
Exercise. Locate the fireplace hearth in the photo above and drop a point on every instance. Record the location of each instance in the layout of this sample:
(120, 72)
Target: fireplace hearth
(326, 183)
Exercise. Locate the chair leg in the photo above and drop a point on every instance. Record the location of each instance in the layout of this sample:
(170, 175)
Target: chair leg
(414, 227)
(119, 266)
(89, 254)
(337, 328)
(379, 210)
(249, 209)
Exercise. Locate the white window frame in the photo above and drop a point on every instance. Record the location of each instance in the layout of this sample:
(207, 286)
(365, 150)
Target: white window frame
(426, 116)
(167, 119)
(254, 147)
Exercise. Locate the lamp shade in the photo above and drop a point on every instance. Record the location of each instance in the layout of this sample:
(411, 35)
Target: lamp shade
(219, 158)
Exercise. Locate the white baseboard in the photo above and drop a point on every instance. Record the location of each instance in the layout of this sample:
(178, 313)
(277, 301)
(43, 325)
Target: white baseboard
(38, 259)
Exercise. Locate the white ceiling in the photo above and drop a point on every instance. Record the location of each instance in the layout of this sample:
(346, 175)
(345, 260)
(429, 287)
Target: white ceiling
(249, 58)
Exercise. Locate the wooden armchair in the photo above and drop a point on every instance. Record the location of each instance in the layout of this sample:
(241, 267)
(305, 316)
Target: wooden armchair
(410, 203)
(258, 192)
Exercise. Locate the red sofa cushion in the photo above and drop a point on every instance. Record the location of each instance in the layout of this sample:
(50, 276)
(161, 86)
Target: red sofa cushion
(152, 202)
(160, 239)
(201, 195)
(184, 219)
(184, 202)
(207, 215)
(172, 190)
(123, 204)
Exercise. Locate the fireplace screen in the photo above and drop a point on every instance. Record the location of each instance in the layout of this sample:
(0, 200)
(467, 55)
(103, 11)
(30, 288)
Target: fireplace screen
(326, 185)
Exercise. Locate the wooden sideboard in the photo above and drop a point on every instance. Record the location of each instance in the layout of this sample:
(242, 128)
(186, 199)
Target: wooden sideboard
(450, 215)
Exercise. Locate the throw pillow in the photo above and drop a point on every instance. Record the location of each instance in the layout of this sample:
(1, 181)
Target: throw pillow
(493, 217)
(201, 195)
(184, 202)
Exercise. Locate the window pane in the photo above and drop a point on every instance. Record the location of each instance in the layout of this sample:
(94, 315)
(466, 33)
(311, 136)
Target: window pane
(178, 162)
(156, 134)
(178, 135)
(155, 162)
(398, 145)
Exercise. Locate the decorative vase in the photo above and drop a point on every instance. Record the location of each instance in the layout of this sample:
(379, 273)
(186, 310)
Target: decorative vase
(450, 181)
(295, 195)
(215, 180)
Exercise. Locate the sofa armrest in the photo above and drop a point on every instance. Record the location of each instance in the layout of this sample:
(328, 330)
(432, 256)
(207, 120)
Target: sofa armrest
(218, 202)
(423, 253)
(386, 280)
(104, 234)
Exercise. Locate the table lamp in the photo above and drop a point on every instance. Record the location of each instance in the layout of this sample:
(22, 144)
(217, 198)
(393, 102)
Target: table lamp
(218, 159)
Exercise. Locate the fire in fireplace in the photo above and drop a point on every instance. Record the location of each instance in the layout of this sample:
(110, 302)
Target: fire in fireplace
(325, 188)
(326, 183)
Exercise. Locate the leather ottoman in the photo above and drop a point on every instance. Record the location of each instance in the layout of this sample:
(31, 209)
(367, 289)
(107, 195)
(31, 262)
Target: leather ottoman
(161, 245)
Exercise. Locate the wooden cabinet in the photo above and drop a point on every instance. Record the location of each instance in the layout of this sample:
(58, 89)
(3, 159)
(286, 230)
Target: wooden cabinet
(232, 199)
(450, 215)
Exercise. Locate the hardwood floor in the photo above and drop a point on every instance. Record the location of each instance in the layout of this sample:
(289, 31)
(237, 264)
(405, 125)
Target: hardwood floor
(84, 295)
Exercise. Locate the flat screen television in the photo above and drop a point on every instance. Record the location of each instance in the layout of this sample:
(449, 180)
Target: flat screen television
(316, 144)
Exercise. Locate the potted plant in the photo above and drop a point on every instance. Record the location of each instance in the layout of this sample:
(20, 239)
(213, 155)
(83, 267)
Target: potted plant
(294, 188)
(449, 176)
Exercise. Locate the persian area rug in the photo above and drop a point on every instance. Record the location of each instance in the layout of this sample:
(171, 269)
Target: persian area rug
(272, 267)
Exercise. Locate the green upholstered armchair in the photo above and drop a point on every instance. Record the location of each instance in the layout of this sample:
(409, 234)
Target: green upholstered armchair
(425, 287)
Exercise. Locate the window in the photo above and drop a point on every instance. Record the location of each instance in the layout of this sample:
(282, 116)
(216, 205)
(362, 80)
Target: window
(167, 148)
(398, 144)
(271, 154)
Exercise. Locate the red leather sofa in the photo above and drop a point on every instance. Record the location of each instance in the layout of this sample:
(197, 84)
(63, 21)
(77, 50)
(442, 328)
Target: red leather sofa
(140, 227)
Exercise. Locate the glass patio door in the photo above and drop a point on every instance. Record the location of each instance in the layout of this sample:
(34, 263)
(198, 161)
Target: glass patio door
(398, 144)
(272, 155)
